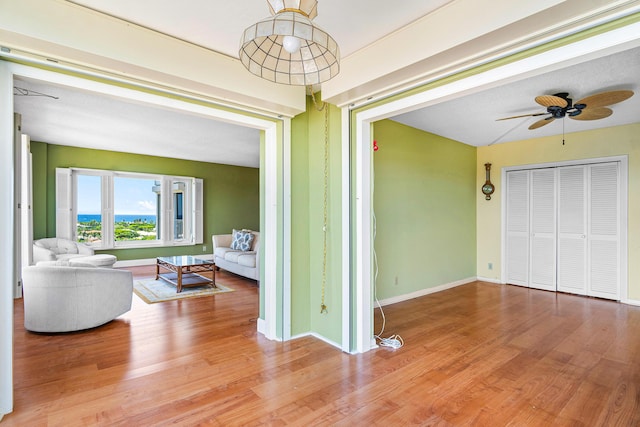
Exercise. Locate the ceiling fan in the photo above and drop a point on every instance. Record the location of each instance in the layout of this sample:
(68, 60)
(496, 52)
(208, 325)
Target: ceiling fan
(592, 107)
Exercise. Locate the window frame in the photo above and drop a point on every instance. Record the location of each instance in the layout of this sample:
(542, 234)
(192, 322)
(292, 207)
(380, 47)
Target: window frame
(67, 208)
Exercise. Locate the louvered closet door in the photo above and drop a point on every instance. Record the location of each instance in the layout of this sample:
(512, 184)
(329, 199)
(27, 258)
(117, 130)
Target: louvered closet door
(543, 229)
(604, 231)
(517, 193)
(572, 229)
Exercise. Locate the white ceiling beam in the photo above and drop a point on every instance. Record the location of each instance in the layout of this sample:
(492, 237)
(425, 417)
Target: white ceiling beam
(459, 36)
(76, 36)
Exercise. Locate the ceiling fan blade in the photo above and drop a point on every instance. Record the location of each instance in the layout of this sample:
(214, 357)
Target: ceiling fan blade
(541, 123)
(593, 113)
(605, 98)
(523, 115)
(551, 101)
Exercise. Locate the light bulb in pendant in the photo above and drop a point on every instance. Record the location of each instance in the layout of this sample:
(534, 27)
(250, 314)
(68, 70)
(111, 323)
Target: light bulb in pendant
(291, 44)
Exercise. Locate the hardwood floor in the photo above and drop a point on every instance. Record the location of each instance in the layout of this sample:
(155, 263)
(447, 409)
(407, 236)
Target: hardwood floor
(476, 355)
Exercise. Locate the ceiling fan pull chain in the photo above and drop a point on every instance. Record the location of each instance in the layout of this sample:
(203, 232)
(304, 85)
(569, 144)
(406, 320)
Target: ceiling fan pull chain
(325, 214)
(323, 307)
(325, 203)
(313, 98)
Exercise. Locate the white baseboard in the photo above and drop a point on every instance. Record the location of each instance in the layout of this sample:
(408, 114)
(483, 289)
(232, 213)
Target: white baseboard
(627, 301)
(320, 337)
(427, 291)
(135, 262)
(150, 261)
(262, 329)
(490, 280)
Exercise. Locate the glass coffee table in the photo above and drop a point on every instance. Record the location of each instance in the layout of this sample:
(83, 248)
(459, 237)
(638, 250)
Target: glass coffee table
(183, 271)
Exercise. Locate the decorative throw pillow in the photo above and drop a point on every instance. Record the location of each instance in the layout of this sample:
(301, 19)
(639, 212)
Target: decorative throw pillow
(242, 240)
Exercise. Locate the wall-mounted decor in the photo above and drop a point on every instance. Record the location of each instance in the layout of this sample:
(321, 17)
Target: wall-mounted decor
(488, 188)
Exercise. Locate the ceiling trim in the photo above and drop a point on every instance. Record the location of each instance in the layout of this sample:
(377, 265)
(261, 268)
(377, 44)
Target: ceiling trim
(132, 52)
(615, 40)
(141, 96)
(570, 19)
(87, 73)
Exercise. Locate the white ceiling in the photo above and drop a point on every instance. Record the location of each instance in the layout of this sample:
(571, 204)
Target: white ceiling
(472, 118)
(85, 119)
(218, 25)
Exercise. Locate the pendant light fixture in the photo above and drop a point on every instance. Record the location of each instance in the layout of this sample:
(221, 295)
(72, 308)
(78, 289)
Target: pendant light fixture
(288, 48)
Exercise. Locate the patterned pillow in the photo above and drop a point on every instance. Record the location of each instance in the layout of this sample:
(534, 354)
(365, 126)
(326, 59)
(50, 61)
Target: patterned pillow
(242, 240)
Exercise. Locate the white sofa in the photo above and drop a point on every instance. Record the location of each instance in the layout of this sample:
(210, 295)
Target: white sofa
(243, 263)
(64, 298)
(53, 249)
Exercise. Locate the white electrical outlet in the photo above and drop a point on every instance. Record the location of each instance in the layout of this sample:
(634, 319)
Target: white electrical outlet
(490, 266)
(204, 248)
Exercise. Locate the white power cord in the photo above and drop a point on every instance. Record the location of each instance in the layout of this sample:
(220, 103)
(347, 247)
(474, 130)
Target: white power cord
(394, 341)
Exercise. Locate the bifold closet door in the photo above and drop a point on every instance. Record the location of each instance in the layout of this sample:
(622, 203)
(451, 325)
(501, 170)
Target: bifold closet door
(517, 228)
(604, 231)
(543, 229)
(531, 228)
(563, 229)
(572, 229)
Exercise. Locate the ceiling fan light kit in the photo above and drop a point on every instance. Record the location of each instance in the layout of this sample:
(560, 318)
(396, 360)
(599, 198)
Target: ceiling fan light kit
(559, 105)
(288, 48)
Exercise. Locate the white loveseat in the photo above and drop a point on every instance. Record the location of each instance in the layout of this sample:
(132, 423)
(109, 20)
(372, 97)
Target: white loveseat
(243, 263)
(63, 298)
(52, 249)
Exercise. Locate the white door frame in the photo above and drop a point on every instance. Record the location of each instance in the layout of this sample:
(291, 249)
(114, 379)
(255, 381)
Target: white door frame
(362, 308)
(6, 244)
(275, 152)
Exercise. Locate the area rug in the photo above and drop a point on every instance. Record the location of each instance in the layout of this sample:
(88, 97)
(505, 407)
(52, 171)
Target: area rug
(152, 291)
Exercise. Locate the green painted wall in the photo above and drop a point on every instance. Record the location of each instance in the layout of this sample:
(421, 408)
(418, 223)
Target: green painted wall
(308, 185)
(39, 189)
(425, 209)
(231, 193)
(300, 258)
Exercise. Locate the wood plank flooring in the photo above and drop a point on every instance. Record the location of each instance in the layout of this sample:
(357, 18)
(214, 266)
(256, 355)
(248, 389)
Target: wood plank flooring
(476, 355)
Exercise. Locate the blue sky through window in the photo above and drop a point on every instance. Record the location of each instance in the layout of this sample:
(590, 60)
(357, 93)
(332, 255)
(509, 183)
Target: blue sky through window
(133, 196)
(89, 195)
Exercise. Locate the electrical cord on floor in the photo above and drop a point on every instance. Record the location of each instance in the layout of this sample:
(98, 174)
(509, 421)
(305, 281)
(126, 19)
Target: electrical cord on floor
(394, 341)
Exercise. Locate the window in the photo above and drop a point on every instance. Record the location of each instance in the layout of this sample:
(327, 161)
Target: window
(89, 223)
(108, 209)
(178, 219)
(135, 209)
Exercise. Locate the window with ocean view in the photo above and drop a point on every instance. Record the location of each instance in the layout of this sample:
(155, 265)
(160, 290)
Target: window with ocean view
(135, 202)
(123, 209)
(89, 224)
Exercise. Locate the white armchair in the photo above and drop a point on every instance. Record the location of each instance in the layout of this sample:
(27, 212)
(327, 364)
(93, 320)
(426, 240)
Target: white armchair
(63, 299)
(54, 248)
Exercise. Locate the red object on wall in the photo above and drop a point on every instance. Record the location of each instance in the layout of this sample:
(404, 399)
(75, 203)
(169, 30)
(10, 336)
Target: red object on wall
(375, 145)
